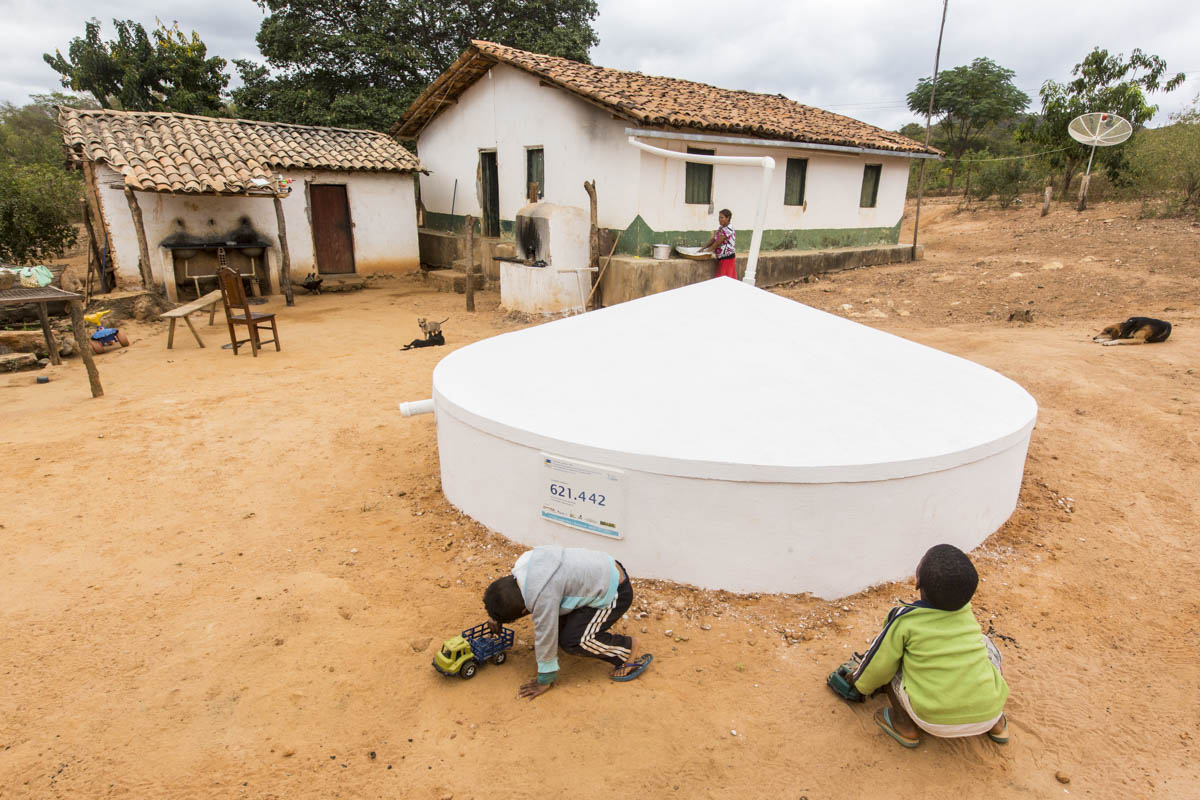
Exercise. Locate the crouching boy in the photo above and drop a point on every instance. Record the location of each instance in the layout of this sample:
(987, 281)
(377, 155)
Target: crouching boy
(575, 596)
(941, 674)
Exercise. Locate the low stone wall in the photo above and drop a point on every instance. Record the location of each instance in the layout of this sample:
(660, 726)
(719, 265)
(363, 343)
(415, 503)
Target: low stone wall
(628, 277)
(438, 249)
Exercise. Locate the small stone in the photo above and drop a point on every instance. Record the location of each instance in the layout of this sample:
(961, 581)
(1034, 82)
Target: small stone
(371, 755)
(420, 643)
(1062, 777)
(291, 751)
(679, 604)
(733, 733)
(706, 627)
(668, 633)
(645, 629)
(443, 583)
(353, 549)
(447, 796)
(278, 642)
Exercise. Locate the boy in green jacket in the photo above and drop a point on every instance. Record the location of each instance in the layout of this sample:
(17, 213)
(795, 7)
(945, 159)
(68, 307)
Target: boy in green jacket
(941, 673)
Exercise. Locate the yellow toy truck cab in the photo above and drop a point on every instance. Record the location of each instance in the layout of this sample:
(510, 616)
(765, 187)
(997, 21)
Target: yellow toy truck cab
(461, 655)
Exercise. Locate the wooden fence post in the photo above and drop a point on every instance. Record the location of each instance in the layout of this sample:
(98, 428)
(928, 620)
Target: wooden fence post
(1083, 190)
(1046, 200)
(84, 345)
(143, 249)
(285, 259)
(469, 224)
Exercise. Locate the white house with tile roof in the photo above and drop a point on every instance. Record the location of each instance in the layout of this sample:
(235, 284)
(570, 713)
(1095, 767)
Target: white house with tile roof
(500, 118)
(204, 188)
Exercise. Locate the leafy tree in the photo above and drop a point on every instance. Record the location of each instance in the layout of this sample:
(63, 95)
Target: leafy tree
(1105, 83)
(968, 100)
(37, 204)
(1168, 158)
(1003, 180)
(165, 70)
(29, 133)
(39, 200)
(360, 63)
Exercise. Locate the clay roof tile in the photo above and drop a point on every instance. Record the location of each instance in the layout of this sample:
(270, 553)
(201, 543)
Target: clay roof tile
(182, 153)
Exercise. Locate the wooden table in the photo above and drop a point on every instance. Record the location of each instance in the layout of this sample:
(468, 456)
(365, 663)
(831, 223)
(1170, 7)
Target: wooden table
(20, 295)
(208, 301)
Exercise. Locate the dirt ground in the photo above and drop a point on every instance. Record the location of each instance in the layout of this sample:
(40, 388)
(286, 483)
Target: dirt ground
(227, 577)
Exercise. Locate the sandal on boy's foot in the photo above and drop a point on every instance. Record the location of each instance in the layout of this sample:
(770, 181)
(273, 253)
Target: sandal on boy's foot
(639, 665)
(883, 718)
(1002, 736)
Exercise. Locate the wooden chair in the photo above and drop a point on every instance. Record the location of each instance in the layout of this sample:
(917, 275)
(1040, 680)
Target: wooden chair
(237, 312)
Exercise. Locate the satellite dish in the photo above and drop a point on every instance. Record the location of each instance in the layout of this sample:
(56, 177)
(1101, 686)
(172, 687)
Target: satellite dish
(1099, 129)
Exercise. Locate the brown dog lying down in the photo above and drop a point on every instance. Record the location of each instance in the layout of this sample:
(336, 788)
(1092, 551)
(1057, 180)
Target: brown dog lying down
(1135, 330)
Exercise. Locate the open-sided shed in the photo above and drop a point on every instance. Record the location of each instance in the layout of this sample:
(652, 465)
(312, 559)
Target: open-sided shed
(171, 196)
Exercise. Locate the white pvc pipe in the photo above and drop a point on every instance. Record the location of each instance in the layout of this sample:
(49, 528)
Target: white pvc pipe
(417, 407)
(768, 167)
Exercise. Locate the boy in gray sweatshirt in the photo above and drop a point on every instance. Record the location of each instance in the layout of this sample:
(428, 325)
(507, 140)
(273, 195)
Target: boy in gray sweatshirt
(575, 596)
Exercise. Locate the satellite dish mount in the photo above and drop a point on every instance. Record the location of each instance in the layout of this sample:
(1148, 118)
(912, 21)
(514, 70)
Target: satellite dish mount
(1099, 129)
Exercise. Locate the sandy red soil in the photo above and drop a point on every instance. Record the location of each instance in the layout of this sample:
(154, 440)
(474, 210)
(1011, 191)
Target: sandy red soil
(227, 577)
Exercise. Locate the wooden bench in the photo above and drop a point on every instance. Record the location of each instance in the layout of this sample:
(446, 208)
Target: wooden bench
(209, 301)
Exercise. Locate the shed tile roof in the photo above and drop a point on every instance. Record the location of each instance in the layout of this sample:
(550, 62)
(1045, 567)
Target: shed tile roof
(658, 102)
(165, 152)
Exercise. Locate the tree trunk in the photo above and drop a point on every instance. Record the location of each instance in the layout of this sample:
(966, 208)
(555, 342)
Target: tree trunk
(1068, 173)
(953, 171)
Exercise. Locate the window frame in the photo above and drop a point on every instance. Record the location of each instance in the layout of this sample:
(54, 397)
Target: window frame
(692, 175)
(862, 195)
(529, 151)
(803, 162)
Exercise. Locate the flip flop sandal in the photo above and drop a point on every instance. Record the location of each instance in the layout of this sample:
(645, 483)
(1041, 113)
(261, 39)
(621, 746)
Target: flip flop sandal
(640, 664)
(1002, 737)
(883, 719)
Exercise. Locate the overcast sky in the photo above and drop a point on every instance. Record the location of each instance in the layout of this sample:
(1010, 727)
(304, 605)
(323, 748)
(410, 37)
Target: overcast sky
(856, 57)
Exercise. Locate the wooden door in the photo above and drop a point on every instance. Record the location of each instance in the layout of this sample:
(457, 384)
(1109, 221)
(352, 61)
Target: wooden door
(333, 239)
(491, 194)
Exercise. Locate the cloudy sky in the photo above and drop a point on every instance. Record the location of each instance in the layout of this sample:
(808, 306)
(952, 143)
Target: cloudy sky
(855, 57)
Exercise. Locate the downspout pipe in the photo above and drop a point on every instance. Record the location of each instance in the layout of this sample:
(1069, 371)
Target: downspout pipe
(416, 407)
(766, 163)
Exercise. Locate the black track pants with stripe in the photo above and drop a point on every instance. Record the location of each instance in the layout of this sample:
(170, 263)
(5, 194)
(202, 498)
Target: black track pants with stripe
(584, 632)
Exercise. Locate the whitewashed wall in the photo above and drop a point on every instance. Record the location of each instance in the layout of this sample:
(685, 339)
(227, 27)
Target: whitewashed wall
(382, 212)
(833, 188)
(508, 111)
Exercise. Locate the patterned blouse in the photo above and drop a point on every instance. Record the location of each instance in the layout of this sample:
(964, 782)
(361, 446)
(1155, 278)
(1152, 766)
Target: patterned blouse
(726, 242)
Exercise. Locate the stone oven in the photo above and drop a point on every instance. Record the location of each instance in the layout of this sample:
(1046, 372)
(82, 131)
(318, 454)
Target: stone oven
(548, 272)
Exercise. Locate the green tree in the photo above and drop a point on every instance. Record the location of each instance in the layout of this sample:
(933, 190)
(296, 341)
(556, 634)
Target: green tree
(1103, 82)
(29, 133)
(39, 200)
(968, 100)
(165, 70)
(37, 205)
(360, 64)
(1167, 159)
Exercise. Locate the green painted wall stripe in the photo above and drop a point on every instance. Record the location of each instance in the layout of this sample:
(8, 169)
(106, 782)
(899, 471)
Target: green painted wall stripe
(639, 238)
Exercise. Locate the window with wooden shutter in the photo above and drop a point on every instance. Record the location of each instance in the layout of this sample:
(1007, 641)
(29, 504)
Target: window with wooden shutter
(870, 185)
(698, 179)
(535, 170)
(793, 186)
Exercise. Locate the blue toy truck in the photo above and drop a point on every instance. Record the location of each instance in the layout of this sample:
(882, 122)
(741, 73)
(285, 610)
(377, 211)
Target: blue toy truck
(462, 655)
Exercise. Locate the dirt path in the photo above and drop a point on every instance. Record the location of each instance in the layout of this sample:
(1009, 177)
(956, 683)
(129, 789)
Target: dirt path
(227, 577)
